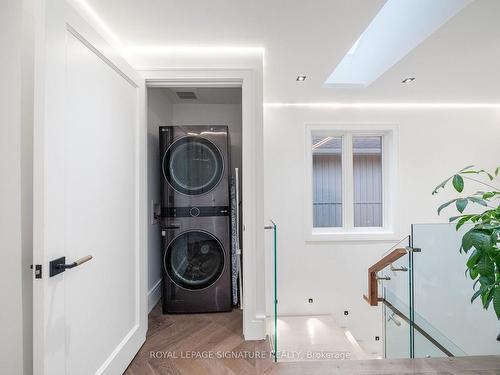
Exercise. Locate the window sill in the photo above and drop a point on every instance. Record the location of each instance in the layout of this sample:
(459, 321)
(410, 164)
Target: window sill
(379, 235)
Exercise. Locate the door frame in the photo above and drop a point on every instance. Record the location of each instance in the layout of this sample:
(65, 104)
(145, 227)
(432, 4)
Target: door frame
(250, 81)
(46, 24)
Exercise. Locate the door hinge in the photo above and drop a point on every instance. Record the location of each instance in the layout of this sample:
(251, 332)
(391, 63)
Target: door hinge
(38, 271)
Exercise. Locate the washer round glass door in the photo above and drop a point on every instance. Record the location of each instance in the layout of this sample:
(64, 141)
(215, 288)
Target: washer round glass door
(193, 165)
(194, 260)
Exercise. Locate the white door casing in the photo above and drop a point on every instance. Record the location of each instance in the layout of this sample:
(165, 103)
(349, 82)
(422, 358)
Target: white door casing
(249, 78)
(89, 198)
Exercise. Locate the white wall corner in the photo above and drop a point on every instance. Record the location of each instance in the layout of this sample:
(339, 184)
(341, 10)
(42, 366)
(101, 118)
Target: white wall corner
(255, 329)
(154, 295)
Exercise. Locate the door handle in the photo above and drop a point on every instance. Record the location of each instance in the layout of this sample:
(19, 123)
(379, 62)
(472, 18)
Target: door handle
(59, 265)
(77, 262)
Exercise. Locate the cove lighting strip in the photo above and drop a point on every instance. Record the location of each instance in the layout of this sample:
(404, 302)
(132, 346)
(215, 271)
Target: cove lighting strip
(94, 19)
(195, 50)
(386, 105)
(159, 50)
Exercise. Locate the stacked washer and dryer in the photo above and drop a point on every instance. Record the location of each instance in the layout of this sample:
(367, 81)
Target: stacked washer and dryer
(195, 219)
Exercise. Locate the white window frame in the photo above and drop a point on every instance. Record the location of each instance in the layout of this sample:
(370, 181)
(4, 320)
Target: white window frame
(347, 232)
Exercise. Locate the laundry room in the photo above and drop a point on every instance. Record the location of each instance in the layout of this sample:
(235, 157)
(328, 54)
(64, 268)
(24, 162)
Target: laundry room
(195, 195)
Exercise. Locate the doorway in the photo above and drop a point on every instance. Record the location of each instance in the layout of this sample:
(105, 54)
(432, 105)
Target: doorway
(188, 109)
(246, 74)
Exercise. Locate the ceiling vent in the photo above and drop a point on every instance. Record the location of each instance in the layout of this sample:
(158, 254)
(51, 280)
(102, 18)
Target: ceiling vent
(186, 95)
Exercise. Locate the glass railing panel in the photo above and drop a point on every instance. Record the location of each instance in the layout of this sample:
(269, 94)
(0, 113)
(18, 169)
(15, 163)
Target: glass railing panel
(397, 278)
(442, 294)
(271, 237)
(427, 347)
(429, 342)
(396, 333)
(396, 298)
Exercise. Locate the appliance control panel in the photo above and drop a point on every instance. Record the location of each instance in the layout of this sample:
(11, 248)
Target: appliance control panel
(195, 211)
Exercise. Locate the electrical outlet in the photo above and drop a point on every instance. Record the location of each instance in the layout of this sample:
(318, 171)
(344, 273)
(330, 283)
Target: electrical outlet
(377, 338)
(310, 300)
(346, 312)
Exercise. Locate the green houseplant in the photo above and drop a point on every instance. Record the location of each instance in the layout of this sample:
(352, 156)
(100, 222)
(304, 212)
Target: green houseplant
(482, 242)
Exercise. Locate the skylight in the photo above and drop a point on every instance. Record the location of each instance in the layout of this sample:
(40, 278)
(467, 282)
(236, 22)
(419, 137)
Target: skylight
(354, 46)
(399, 27)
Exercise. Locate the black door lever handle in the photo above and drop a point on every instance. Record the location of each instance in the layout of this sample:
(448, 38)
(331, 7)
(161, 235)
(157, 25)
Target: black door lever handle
(59, 265)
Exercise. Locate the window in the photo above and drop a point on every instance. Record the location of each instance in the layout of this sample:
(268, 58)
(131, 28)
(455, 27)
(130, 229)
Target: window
(327, 181)
(367, 181)
(350, 175)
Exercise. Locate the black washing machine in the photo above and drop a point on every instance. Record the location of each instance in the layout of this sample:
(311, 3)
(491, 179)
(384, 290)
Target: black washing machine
(197, 265)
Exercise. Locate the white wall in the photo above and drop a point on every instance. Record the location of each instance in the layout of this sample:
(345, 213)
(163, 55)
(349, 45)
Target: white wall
(16, 99)
(159, 114)
(432, 145)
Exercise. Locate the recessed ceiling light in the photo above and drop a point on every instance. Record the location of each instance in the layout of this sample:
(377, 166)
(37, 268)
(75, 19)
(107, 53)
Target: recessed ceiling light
(301, 78)
(408, 80)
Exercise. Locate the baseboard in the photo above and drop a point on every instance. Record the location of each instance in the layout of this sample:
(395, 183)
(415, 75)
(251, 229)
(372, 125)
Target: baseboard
(255, 329)
(154, 295)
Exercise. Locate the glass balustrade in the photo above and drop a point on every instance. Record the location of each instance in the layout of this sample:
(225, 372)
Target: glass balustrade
(426, 296)
(395, 280)
(396, 333)
(272, 288)
(442, 297)
(422, 291)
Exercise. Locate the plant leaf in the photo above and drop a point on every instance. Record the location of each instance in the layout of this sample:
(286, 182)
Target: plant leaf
(462, 221)
(444, 205)
(486, 281)
(458, 183)
(496, 300)
(475, 295)
(463, 169)
(486, 297)
(461, 204)
(474, 258)
(478, 201)
(485, 266)
(441, 185)
(473, 273)
(467, 241)
(479, 239)
(489, 194)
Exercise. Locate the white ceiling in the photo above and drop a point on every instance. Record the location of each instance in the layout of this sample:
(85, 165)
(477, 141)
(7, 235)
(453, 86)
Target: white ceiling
(458, 63)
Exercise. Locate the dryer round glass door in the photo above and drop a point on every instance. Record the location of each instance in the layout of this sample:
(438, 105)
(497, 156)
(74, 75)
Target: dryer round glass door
(194, 260)
(193, 165)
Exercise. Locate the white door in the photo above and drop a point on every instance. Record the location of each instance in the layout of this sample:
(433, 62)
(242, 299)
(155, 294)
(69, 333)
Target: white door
(89, 199)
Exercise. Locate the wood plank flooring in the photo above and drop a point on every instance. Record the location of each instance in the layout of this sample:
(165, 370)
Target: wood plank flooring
(172, 338)
(206, 344)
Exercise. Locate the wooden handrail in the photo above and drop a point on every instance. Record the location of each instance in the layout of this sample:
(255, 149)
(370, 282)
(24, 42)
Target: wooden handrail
(394, 255)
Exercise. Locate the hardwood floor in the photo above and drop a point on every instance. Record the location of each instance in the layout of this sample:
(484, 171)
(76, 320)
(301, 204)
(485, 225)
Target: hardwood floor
(207, 344)
(172, 338)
